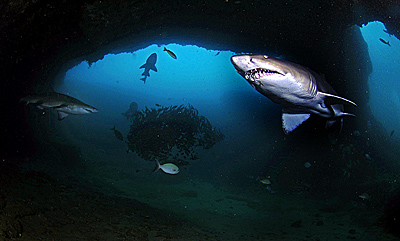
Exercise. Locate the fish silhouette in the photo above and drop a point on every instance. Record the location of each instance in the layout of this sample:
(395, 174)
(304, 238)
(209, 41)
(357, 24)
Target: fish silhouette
(149, 65)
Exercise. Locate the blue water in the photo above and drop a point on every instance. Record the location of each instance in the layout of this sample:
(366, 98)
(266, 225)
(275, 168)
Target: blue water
(384, 84)
(203, 78)
(221, 191)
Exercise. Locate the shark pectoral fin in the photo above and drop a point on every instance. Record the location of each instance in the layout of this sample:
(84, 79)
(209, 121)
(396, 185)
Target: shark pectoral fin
(143, 66)
(61, 115)
(292, 121)
(154, 68)
(334, 99)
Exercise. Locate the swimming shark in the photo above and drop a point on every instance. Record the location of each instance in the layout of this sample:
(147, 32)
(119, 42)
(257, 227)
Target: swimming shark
(149, 65)
(63, 104)
(299, 90)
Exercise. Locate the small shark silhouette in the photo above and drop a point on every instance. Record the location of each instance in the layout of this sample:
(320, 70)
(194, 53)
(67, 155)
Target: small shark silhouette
(149, 65)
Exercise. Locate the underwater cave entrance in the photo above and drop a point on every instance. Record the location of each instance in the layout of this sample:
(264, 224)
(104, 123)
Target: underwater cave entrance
(196, 75)
(202, 78)
(384, 87)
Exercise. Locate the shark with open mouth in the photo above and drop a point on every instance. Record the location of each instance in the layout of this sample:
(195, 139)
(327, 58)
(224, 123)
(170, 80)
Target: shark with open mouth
(299, 90)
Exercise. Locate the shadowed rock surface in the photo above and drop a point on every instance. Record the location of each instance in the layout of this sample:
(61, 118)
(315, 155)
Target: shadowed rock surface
(42, 38)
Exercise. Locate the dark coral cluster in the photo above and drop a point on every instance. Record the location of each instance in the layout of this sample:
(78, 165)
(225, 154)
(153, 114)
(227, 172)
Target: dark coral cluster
(171, 133)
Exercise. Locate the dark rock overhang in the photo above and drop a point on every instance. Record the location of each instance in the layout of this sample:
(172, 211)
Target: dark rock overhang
(38, 37)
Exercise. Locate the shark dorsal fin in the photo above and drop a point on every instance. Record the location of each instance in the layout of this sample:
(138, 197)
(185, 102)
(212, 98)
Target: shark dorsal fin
(334, 99)
(292, 121)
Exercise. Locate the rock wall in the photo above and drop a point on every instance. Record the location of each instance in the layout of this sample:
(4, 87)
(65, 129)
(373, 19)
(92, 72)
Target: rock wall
(38, 36)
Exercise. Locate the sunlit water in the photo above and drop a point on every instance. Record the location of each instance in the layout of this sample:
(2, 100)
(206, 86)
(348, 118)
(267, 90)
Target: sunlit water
(203, 78)
(250, 122)
(384, 82)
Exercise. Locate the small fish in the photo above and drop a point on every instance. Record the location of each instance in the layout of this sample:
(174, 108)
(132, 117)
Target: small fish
(265, 181)
(170, 53)
(385, 42)
(307, 165)
(217, 54)
(368, 156)
(391, 134)
(169, 168)
(117, 134)
(158, 105)
(365, 196)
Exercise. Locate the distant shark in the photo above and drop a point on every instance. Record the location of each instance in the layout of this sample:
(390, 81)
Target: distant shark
(300, 91)
(63, 104)
(149, 65)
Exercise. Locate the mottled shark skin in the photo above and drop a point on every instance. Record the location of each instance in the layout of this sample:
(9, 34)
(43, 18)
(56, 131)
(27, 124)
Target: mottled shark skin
(63, 104)
(149, 65)
(300, 91)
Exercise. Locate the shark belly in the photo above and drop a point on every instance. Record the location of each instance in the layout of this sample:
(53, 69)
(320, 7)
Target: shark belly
(300, 91)
(293, 97)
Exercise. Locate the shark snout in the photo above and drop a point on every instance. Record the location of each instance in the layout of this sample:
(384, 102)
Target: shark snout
(234, 59)
(239, 60)
(241, 63)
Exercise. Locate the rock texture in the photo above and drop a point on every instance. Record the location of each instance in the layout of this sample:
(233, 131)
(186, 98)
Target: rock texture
(39, 35)
(39, 38)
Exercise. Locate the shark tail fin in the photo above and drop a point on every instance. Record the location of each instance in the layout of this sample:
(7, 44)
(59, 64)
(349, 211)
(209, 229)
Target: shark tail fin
(334, 99)
(332, 121)
(113, 128)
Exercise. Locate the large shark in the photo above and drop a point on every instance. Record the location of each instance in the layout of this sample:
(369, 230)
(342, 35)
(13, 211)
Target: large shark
(63, 104)
(149, 65)
(299, 90)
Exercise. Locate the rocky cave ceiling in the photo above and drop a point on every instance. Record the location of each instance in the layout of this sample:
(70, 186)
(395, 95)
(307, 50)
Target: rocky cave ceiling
(38, 35)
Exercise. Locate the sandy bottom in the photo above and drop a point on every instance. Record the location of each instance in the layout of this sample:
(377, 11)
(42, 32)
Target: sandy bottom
(112, 195)
(102, 201)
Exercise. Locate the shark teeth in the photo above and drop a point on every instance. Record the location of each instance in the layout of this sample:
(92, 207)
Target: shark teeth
(259, 73)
